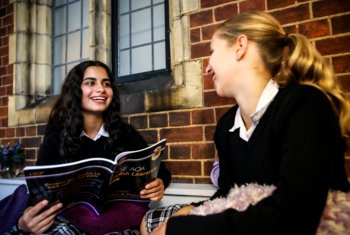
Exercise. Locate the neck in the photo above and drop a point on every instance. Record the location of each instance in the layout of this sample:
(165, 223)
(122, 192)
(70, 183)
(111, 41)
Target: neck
(92, 124)
(249, 97)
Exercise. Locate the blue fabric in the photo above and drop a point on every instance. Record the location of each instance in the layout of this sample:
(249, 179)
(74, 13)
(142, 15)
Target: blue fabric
(12, 207)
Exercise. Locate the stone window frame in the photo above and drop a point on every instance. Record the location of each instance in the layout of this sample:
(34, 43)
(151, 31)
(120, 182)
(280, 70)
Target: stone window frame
(31, 101)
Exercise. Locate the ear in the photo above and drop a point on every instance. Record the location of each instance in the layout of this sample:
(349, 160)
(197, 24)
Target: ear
(241, 46)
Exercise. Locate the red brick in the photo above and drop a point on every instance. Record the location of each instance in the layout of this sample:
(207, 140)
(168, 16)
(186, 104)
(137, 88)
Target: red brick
(4, 101)
(200, 50)
(225, 12)
(189, 168)
(41, 129)
(10, 132)
(209, 132)
(195, 35)
(203, 151)
(290, 29)
(201, 18)
(326, 8)
(179, 118)
(219, 112)
(292, 15)
(183, 134)
(182, 151)
(151, 136)
(2, 133)
(2, 92)
(31, 142)
(8, 20)
(210, 3)
(208, 31)
(341, 64)
(20, 132)
(205, 180)
(9, 90)
(4, 122)
(333, 45)
(212, 99)
(31, 131)
(315, 29)
(208, 83)
(158, 120)
(345, 85)
(204, 116)
(252, 5)
(208, 166)
(139, 122)
(182, 179)
(30, 154)
(341, 24)
(273, 4)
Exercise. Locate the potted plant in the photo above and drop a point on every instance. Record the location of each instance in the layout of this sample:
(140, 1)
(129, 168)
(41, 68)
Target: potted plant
(12, 159)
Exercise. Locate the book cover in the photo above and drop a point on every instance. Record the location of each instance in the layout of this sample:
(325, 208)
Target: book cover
(95, 181)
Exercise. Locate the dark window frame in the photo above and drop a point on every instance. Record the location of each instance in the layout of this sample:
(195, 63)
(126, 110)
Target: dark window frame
(158, 74)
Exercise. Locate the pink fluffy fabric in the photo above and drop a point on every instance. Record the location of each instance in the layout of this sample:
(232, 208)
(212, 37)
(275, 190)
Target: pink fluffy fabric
(335, 219)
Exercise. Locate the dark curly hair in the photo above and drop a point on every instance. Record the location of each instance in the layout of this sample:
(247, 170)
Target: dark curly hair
(66, 115)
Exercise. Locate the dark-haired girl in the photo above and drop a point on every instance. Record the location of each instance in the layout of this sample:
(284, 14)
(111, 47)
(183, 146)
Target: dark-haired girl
(85, 123)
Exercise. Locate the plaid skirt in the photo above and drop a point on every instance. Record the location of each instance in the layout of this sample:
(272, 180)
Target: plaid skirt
(62, 227)
(155, 217)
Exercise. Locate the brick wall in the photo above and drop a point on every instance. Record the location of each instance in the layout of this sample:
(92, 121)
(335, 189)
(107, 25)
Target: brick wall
(191, 151)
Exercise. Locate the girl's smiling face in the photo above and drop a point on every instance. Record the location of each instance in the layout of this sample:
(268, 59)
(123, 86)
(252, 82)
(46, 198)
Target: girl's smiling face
(97, 90)
(222, 64)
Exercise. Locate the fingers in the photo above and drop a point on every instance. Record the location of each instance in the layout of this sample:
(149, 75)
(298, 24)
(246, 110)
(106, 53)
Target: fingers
(35, 220)
(153, 190)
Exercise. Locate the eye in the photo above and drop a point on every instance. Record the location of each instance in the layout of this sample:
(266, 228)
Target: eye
(107, 83)
(89, 82)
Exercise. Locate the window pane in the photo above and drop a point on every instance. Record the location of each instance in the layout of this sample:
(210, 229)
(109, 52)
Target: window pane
(158, 23)
(59, 50)
(85, 47)
(60, 21)
(59, 2)
(159, 56)
(59, 74)
(74, 16)
(124, 32)
(141, 59)
(123, 6)
(73, 48)
(71, 65)
(85, 13)
(141, 27)
(124, 63)
(157, 1)
(137, 4)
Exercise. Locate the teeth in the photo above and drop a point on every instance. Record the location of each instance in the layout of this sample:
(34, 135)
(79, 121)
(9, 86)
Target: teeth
(98, 98)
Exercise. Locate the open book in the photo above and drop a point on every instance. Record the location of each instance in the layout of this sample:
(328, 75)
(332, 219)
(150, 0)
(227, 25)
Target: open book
(95, 181)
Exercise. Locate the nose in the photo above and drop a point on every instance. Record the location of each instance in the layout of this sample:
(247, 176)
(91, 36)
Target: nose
(209, 70)
(100, 87)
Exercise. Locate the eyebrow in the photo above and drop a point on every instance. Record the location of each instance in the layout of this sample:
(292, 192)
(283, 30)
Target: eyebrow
(92, 78)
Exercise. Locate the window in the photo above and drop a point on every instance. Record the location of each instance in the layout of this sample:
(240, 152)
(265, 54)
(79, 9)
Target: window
(142, 41)
(70, 37)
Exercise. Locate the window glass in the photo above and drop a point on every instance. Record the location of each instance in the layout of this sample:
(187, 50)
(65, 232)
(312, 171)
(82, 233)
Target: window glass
(74, 16)
(70, 38)
(142, 43)
(142, 59)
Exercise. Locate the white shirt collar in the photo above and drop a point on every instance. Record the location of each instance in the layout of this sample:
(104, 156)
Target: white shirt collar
(101, 132)
(268, 94)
